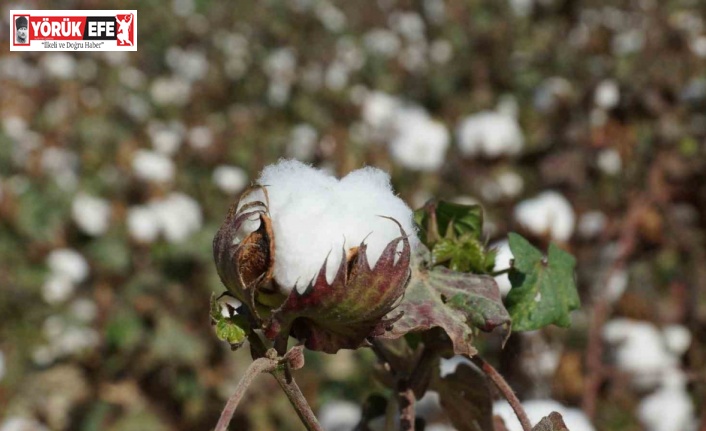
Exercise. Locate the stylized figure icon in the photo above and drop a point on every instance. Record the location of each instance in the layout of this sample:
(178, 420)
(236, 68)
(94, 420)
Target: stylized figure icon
(124, 30)
(21, 24)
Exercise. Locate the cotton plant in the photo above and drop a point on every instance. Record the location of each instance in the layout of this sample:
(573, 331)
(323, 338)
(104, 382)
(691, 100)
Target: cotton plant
(346, 264)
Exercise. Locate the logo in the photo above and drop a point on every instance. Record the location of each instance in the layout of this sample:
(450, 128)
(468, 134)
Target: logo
(73, 30)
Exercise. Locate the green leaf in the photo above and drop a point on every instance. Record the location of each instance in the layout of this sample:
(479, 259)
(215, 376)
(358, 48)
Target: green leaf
(230, 332)
(454, 301)
(450, 218)
(543, 289)
(464, 254)
(466, 398)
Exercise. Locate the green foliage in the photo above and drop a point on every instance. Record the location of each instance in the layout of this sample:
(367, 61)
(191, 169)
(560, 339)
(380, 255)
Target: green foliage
(461, 248)
(543, 288)
(232, 330)
(455, 301)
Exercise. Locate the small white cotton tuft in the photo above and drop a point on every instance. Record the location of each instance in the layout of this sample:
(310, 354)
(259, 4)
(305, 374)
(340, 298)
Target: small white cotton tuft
(640, 350)
(19, 423)
(667, 409)
(68, 263)
(315, 216)
(420, 143)
(91, 214)
(548, 213)
(339, 416)
(230, 179)
(152, 166)
(489, 134)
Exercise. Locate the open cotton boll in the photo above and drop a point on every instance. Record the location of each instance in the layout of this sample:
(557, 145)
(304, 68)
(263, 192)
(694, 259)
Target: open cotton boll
(574, 419)
(315, 216)
(18, 423)
(639, 349)
(548, 213)
(152, 166)
(379, 109)
(230, 179)
(667, 409)
(57, 288)
(179, 216)
(489, 134)
(68, 263)
(677, 339)
(339, 416)
(142, 223)
(91, 214)
(420, 143)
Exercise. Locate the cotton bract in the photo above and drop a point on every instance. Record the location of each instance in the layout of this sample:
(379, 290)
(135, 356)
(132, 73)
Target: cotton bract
(317, 258)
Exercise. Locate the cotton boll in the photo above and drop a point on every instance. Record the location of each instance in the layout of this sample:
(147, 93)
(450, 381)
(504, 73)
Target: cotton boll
(142, 224)
(510, 183)
(616, 285)
(429, 406)
(574, 419)
(230, 179)
(639, 350)
(591, 224)
(200, 137)
(68, 263)
(339, 416)
(151, 166)
(420, 142)
(170, 91)
(84, 310)
(548, 213)
(57, 288)
(59, 65)
(315, 216)
(18, 423)
(607, 95)
(179, 216)
(677, 339)
(667, 409)
(382, 42)
(380, 109)
(609, 161)
(91, 214)
(302, 142)
(489, 134)
(166, 139)
(503, 258)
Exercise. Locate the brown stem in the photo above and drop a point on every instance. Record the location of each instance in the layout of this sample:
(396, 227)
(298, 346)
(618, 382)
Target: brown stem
(406, 400)
(506, 390)
(296, 398)
(259, 366)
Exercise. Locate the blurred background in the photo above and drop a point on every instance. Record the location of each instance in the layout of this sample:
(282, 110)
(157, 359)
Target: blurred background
(578, 122)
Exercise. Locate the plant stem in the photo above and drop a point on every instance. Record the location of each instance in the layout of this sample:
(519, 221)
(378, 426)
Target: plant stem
(296, 398)
(406, 400)
(506, 390)
(259, 366)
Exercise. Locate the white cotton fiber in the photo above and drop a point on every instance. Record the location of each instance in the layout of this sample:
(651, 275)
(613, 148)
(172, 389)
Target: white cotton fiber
(640, 350)
(503, 259)
(490, 134)
(315, 215)
(548, 213)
